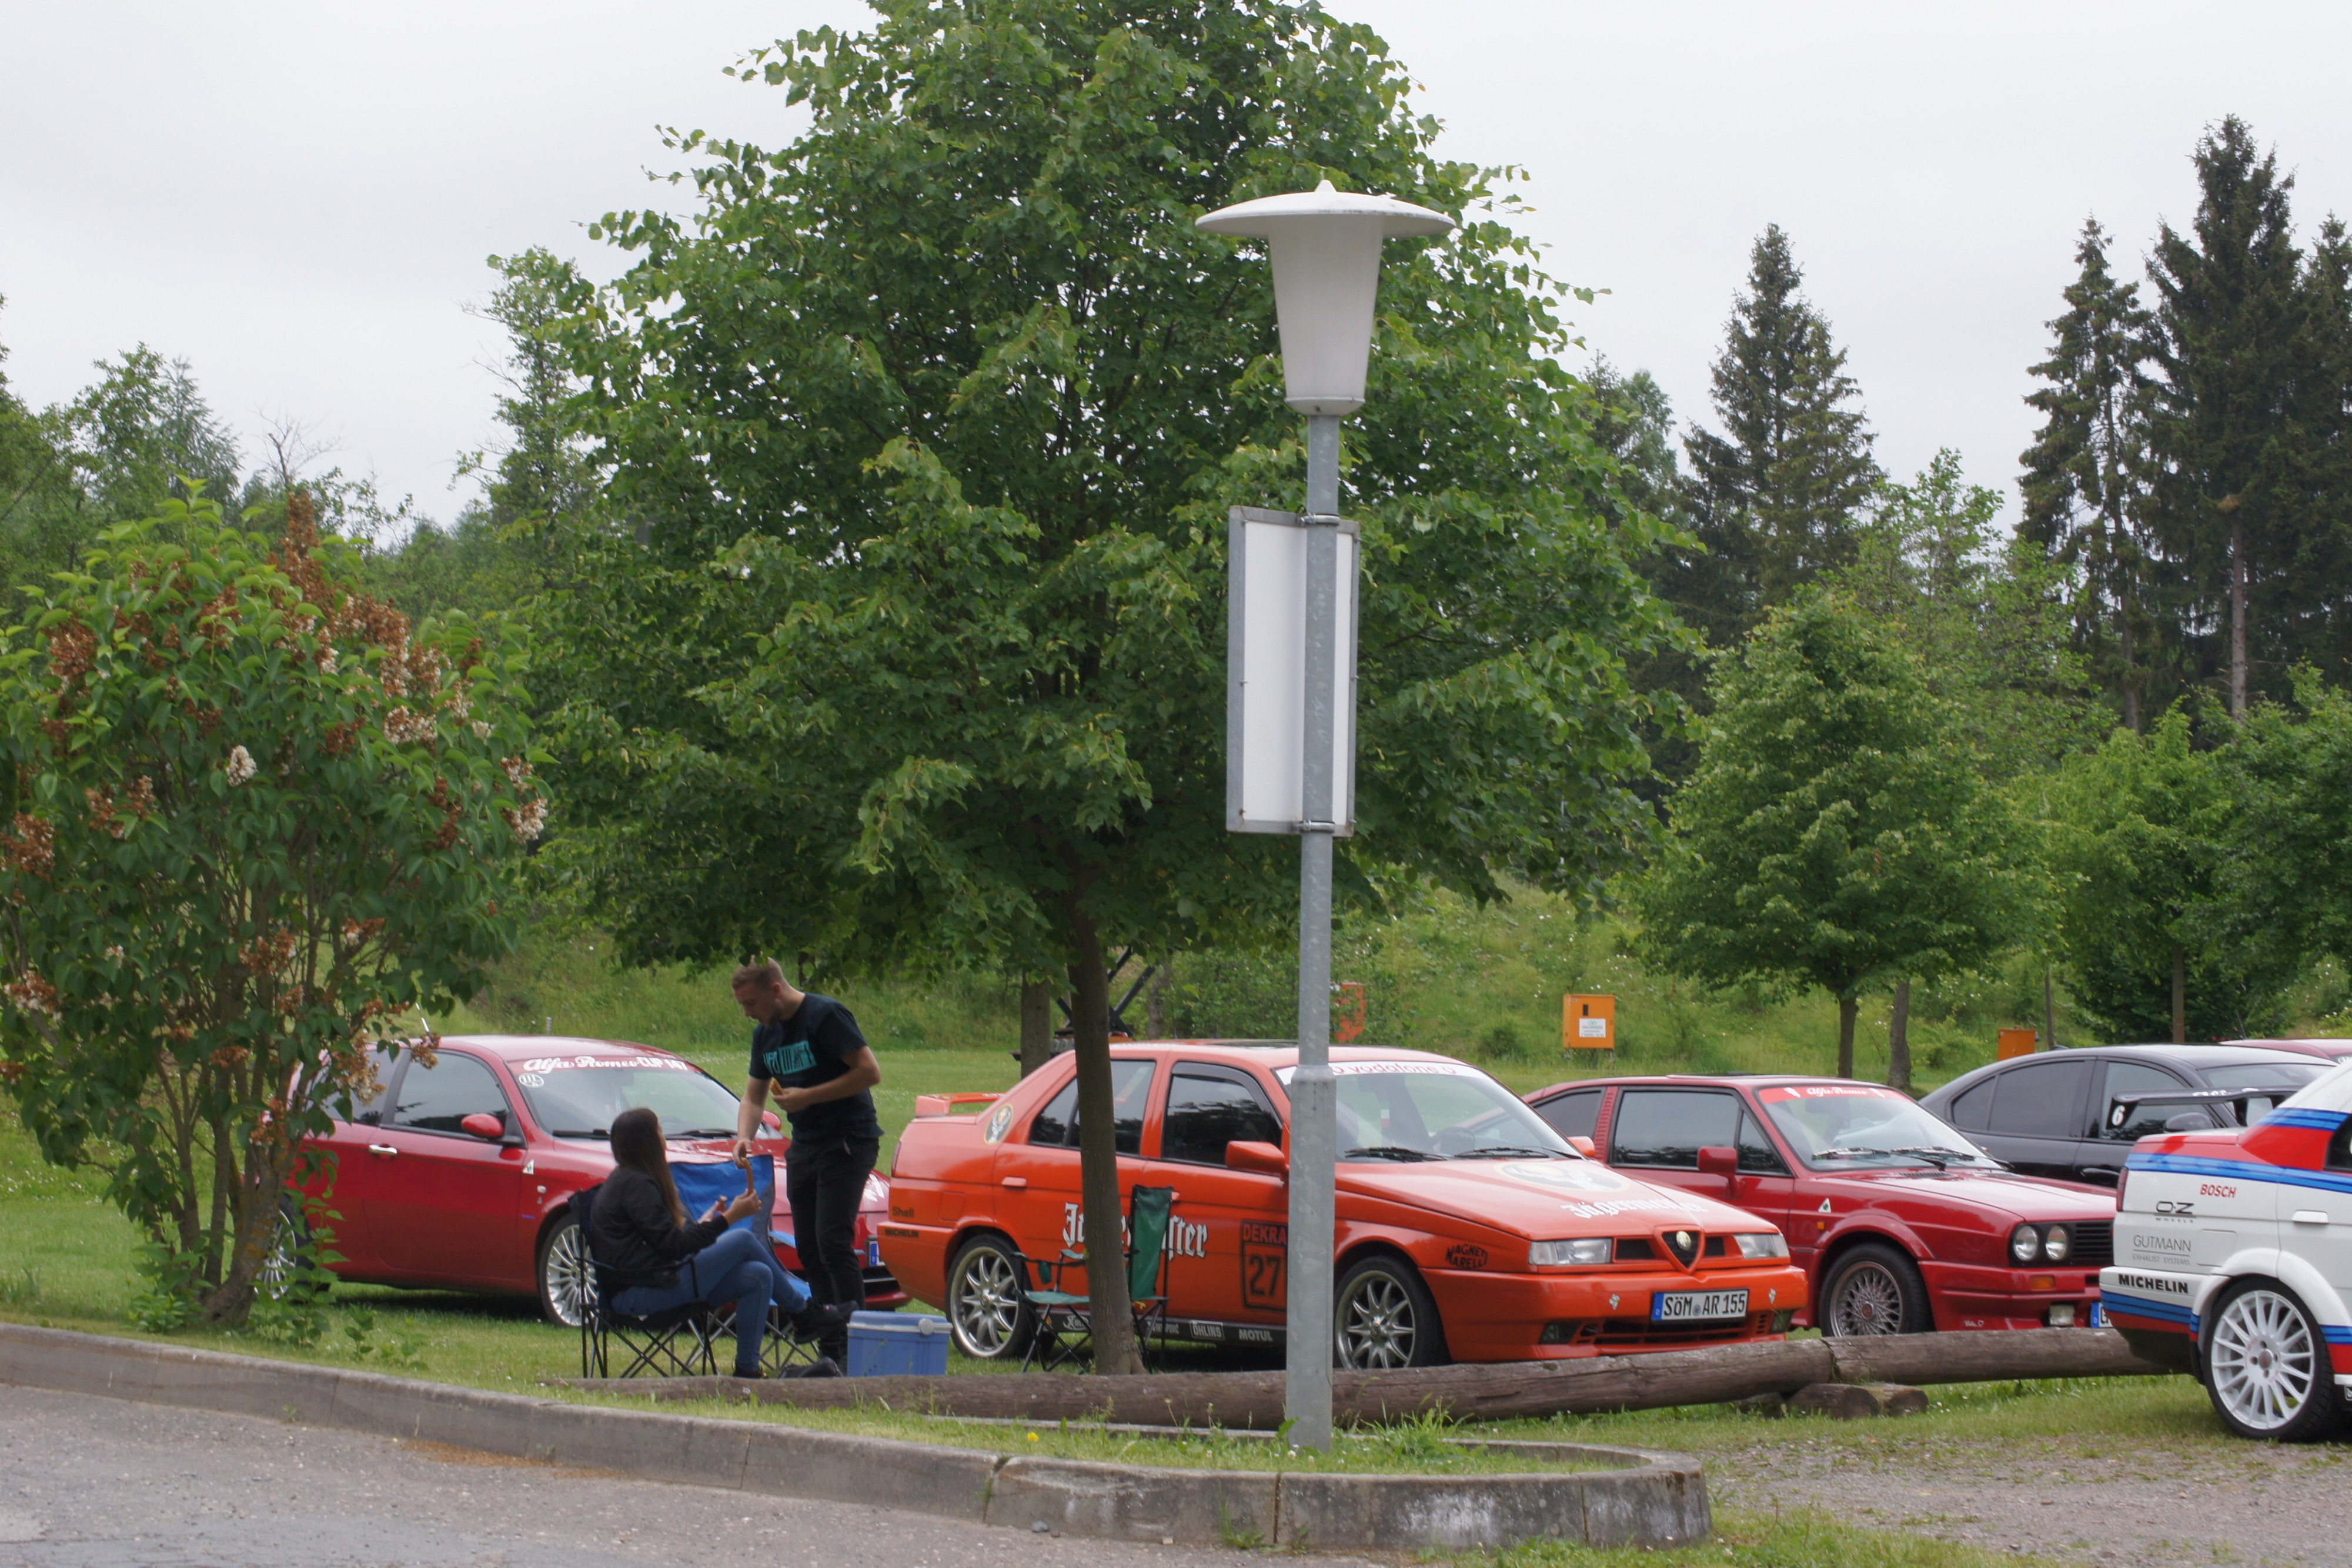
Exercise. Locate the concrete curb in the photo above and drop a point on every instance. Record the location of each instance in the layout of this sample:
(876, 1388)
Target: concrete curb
(1653, 1498)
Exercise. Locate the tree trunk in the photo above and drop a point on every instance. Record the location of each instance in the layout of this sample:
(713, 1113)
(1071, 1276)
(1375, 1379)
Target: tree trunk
(2049, 1013)
(2179, 997)
(1155, 1001)
(1036, 1024)
(1898, 1040)
(2131, 675)
(2237, 620)
(1847, 1007)
(1108, 1309)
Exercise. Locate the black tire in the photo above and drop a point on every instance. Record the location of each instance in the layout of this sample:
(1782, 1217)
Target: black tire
(2264, 1362)
(566, 1285)
(1383, 1317)
(988, 1309)
(1876, 1288)
(291, 1249)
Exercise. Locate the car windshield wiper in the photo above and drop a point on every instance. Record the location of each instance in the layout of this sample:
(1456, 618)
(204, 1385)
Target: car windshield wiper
(1941, 1155)
(1507, 1151)
(704, 1132)
(1386, 1151)
(1857, 1154)
(577, 1133)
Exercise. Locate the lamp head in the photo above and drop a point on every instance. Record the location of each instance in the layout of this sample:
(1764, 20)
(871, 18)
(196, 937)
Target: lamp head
(1326, 246)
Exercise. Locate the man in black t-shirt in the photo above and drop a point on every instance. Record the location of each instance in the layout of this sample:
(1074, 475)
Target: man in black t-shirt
(806, 1055)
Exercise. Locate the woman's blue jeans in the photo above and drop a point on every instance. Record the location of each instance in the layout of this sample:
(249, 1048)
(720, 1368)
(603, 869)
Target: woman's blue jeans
(739, 1268)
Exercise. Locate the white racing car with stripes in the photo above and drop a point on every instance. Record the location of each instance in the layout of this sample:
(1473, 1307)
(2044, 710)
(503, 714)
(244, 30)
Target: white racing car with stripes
(2233, 1252)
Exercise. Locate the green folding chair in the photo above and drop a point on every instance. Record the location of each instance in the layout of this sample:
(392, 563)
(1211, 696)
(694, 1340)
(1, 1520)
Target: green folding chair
(1065, 1328)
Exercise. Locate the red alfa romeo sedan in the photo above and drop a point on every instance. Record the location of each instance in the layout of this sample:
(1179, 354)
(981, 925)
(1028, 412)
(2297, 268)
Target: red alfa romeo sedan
(459, 1175)
(1901, 1224)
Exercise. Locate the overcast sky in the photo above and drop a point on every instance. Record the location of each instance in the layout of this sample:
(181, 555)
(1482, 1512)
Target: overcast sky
(298, 199)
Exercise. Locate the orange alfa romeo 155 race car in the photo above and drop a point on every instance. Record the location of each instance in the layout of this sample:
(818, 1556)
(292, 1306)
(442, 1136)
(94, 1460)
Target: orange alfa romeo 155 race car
(1468, 1229)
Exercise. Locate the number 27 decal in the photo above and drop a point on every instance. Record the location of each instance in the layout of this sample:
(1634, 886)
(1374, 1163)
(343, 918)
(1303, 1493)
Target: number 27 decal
(1266, 1257)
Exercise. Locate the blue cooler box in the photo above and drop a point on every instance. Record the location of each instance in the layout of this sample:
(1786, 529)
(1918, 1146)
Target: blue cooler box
(884, 1343)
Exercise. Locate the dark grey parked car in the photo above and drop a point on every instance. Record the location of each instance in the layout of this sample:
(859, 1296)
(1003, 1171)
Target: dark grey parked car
(2047, 1114)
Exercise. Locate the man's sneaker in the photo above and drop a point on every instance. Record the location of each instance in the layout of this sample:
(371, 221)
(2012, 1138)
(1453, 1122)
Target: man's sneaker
(823, 1367)
(815, 1322)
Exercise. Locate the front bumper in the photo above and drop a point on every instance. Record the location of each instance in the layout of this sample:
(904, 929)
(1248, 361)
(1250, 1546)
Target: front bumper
(1978, 1296)
(1554, 1317)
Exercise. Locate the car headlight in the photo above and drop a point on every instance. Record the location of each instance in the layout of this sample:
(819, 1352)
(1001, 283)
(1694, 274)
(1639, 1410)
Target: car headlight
(1579, 1254)
(2056, 1245)
(2025, 1244)
(1771, 1244)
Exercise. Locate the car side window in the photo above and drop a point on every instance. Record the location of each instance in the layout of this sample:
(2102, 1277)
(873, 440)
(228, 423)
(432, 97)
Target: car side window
(1757, 1154)
(355, 1104)
(1973, 1109)
(1665, 1128)
(1131, 1085)
(2148, 1117)
(1209, 1107)
(2040, 1100)
(438, 1099)
(1573, 1114)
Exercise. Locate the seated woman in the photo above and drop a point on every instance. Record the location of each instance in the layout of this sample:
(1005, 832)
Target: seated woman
(639, 1234)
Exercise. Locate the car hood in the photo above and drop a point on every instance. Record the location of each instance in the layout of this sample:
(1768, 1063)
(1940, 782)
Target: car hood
(1542, 1199)
(2006, 1193)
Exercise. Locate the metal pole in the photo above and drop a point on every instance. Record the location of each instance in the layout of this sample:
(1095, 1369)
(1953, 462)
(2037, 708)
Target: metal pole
(1314, 1126)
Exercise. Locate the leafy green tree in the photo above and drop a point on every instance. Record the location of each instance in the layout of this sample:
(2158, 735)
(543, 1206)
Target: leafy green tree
(255, 821)
(1837, 832)
(1779, 494)
(2233, 347)
(2086, 473)
(2142, 829)
(930, 421)
(2283, 870)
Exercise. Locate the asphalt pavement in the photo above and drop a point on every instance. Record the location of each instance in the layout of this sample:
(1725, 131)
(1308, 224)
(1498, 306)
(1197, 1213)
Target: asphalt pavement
(88, 1482)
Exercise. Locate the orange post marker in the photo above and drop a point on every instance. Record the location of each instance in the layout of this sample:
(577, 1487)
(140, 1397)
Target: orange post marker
(2017, 1042)
(1588, 1023)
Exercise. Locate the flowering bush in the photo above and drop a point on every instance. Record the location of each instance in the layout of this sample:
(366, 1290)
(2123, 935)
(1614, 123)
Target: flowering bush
(254, 821)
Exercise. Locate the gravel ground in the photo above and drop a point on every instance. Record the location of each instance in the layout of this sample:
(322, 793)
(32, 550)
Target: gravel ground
(103, 1483)
(2157, 1506)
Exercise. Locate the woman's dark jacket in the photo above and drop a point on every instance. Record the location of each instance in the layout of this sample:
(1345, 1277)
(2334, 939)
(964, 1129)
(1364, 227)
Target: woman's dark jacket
(632, 1234)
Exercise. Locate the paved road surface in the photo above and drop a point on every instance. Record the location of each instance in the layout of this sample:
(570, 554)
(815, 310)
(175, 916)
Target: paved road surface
(104, 1483)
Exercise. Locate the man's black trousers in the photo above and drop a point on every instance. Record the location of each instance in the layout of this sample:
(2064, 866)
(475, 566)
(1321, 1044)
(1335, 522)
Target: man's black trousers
(824, 1182)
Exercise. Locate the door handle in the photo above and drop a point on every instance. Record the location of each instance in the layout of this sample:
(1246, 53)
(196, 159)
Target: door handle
(1014, 1181)
(382, 1149)
(2309, 1216)
(2103, 1170)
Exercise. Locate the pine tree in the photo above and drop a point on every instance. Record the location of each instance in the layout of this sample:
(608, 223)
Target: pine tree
(2230, 345)
(1776, 495)
(2085, 473)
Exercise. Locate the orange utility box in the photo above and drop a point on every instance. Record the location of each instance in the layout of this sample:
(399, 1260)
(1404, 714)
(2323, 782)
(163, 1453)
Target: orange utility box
(2017, 1042)
(1588, 1023)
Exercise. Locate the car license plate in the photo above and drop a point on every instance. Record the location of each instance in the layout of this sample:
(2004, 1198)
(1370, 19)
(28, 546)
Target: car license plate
(1680, 1306)
(2098, 1319)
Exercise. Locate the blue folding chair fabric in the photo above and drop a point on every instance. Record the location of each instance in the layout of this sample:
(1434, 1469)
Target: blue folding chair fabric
(699, 1186)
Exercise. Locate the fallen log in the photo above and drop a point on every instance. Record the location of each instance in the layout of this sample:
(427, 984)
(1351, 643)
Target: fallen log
(1489, 1392)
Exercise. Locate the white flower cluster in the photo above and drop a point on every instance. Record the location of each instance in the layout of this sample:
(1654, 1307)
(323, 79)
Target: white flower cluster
(403, 725)
(528, 822)
(115, 952)
(240, 766)
(481, 729)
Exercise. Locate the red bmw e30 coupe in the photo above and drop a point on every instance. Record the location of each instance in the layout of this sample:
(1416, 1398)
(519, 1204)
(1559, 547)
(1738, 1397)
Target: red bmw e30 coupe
(458, 1174)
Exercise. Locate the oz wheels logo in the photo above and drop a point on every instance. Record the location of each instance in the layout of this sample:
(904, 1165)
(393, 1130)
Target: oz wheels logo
(2178, 1210)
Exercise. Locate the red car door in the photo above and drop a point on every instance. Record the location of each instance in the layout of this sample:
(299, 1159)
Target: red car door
(1226, 1257)
(347, 1171)
(1038, 1177)
(442, 1204)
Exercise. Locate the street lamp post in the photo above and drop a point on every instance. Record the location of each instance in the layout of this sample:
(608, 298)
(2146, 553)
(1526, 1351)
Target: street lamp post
(1326, 247)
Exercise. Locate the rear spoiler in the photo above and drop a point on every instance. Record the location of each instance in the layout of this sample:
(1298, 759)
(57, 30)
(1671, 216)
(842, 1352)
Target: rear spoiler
(2120, 1106)
(953, 1104)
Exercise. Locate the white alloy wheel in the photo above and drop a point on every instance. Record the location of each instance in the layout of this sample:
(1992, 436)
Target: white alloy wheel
(2267, 1367)
(567, 1286)
(987, 1308)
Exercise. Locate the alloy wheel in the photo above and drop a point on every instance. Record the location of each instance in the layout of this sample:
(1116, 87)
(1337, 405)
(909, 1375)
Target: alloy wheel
(2265, 1364)
(568, 1284)
(1869, 1301)
(986, 1310)
(1376, 1325)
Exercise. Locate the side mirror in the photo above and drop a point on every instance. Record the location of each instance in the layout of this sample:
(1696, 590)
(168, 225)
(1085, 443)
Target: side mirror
(1244, 1155)
(482, 1125)
(770, 1120)
(1583, 1146)
(1721, 1161)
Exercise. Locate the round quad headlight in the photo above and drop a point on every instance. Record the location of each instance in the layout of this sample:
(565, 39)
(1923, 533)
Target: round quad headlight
(2025, 1244)
(2057, 1244)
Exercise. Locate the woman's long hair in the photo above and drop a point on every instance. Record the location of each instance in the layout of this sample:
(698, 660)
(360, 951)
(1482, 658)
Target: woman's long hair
(637, 1143)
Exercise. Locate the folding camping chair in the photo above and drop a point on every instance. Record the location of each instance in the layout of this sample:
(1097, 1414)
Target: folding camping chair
(1065, 1328)
(674, 1343)
(701, 1185)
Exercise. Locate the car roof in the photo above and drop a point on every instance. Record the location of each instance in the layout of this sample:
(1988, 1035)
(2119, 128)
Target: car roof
(1273, 1053)
(523, 1047)
(1699, 1080)
(2186, 1055)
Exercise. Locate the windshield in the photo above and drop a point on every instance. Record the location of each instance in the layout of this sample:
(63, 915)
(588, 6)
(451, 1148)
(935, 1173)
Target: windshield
(2266, 1074)
(1433, 1110)
(1838, 1127)
(578, 1096)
